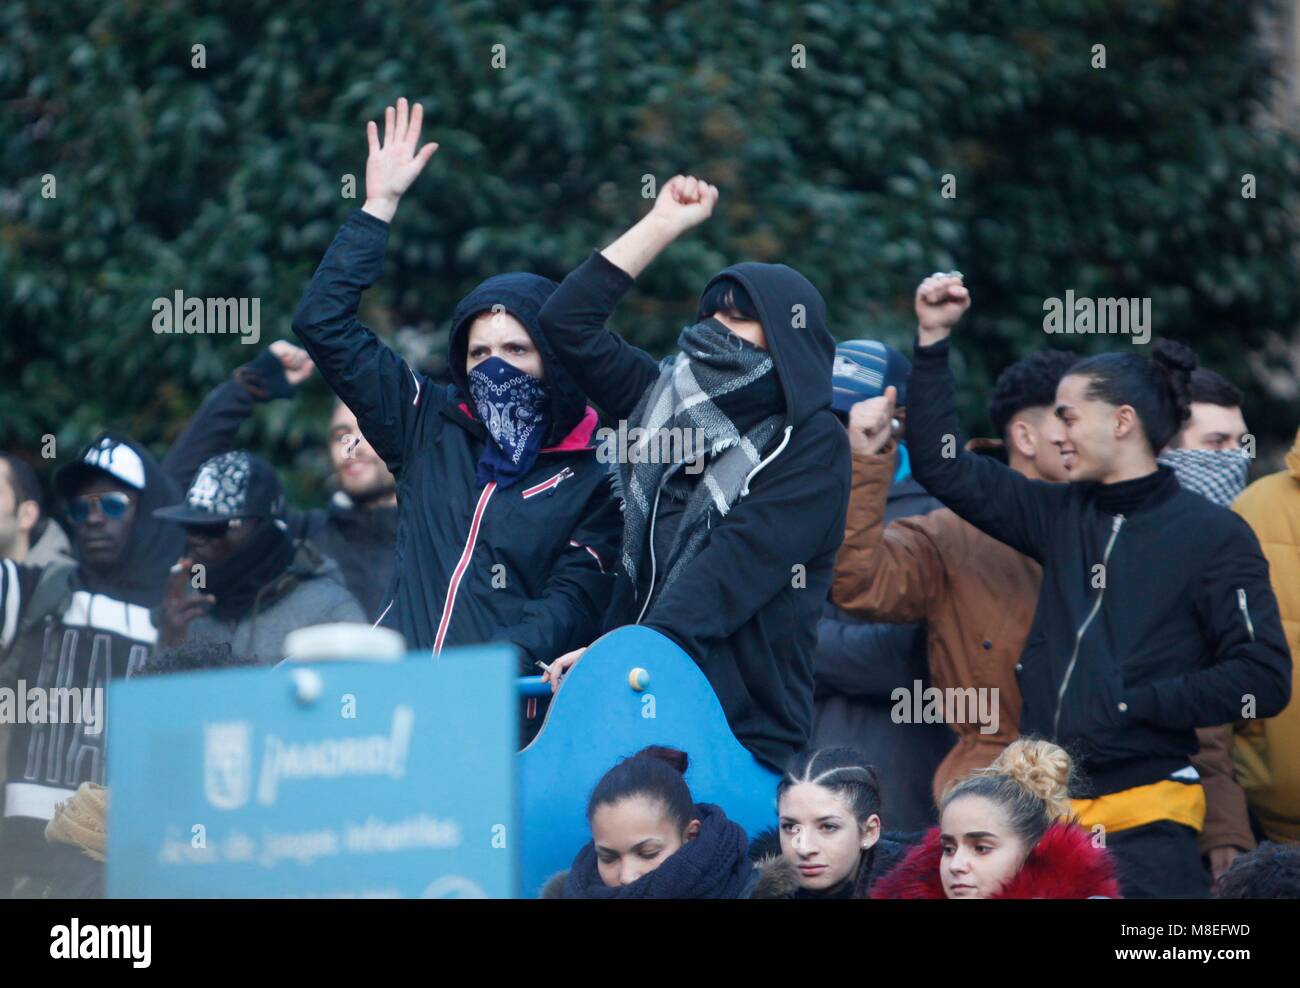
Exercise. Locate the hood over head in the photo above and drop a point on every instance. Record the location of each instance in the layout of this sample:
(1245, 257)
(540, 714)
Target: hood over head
(522, 295)
(154, 544)
(798, 339)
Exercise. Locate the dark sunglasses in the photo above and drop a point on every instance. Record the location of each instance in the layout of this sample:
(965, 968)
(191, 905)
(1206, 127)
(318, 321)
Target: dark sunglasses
(113, 504)
(212, 530)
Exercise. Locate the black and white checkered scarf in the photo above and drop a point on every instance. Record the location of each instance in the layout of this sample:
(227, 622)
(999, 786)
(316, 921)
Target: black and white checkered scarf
(728, 390)
(1219, 475)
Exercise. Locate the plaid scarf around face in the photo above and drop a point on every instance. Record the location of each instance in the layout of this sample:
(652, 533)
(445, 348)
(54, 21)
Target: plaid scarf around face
(719, 393)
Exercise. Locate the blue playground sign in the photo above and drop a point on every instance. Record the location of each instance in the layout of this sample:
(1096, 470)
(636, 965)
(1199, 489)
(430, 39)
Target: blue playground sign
(340, 779)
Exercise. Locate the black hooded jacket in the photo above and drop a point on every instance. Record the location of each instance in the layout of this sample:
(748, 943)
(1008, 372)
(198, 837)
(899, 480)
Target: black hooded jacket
(140, 576)
(746, 607)
(359, 539)
(530, 565)
(75, 629)
(1148, 625)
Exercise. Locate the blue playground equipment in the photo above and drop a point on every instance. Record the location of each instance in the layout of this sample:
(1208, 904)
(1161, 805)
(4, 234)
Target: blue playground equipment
(632, 688)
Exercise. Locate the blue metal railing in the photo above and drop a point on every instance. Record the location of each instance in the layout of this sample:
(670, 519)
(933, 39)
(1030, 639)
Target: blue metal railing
(533, 686)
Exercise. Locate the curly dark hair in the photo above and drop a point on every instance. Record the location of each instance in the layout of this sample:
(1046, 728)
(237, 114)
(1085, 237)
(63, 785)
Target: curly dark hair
(1271, 871)
(192, 657)
(1028, 383)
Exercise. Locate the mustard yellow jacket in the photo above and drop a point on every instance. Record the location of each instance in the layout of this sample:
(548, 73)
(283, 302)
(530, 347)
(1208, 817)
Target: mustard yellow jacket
(1267, 752)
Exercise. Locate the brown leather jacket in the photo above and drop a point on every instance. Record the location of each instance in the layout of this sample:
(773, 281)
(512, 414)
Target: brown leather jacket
(977, 597)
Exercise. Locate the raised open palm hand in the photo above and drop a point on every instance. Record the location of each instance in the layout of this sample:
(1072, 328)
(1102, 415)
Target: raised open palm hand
(394, 165)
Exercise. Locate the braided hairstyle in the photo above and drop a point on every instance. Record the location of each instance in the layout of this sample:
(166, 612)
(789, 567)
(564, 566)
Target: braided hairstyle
(846, 773)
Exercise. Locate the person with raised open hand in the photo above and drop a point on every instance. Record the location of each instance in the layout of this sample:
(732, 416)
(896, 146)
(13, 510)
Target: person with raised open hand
(506, 531)
(1155, 615)
(735, 491)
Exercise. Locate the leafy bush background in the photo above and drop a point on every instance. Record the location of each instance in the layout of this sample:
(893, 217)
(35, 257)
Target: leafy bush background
(226, 180)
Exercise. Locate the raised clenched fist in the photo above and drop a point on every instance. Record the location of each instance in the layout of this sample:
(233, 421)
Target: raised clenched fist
(940, 301)
(685, 201)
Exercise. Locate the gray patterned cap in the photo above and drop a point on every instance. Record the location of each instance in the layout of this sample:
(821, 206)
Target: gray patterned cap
(229, 485)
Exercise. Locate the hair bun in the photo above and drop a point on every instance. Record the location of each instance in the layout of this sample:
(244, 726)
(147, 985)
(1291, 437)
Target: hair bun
(671, 756)
(1173, 356)
(1175, 363)
(1043, 768)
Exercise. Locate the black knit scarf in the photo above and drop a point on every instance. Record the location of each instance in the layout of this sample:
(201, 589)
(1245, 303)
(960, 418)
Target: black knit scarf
(237, 580)
(712, 866)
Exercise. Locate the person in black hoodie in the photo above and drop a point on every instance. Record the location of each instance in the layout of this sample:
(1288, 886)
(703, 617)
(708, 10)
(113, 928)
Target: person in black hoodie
(506, 527)
(1155, 616)
(78, 628)
(730, 554)
(829, 843)
(651, 840)
(358, 528)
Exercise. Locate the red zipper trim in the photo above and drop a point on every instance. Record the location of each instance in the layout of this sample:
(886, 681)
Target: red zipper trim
(579, 545)
(546, 485)
(461, 566)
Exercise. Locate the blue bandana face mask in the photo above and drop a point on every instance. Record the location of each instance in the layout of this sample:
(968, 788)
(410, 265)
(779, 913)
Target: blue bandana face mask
(512, 406)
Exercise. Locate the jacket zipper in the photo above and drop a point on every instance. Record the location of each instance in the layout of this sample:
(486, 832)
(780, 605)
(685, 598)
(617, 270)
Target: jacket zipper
(459, 573)
(650, 591)
(1078, 635)
(550, 484)
(1245, 612)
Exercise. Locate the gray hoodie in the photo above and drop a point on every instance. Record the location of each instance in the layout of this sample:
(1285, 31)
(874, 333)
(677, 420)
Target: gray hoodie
(311, 592)
(52, 547)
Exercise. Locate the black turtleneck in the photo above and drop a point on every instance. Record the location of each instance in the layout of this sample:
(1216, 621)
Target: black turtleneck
(1127, 496)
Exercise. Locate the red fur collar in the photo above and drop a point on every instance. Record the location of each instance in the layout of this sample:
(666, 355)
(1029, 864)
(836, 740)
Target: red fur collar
(1064, 865)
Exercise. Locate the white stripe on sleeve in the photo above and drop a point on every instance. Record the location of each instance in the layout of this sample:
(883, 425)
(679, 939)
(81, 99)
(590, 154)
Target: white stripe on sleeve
(10, 597)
